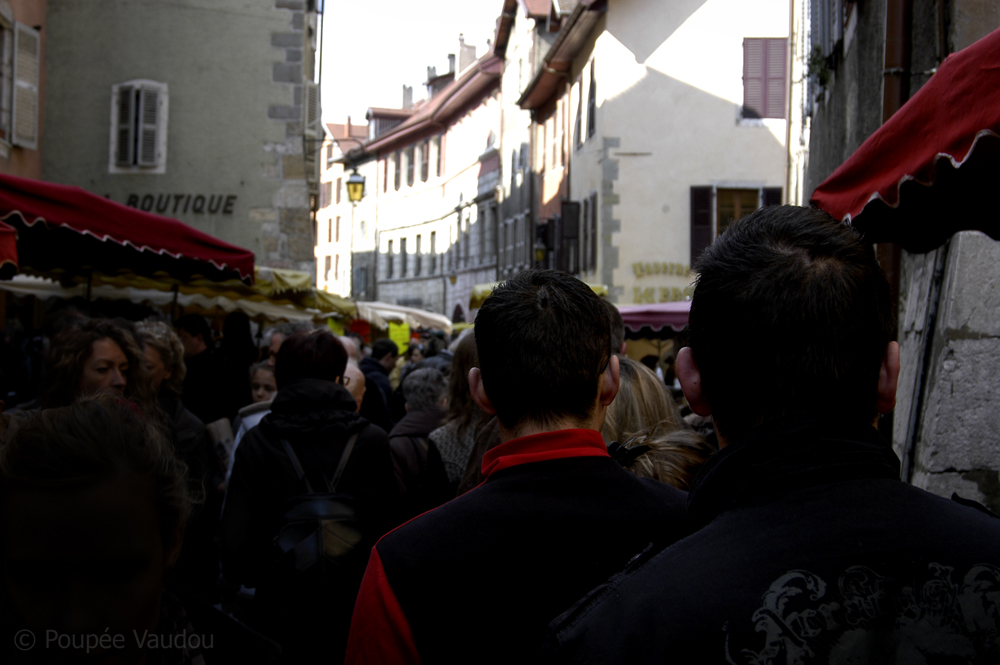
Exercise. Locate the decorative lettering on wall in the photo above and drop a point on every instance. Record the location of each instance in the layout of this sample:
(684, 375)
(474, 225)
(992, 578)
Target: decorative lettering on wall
(666, 294)
(173, 204)
(642, 269)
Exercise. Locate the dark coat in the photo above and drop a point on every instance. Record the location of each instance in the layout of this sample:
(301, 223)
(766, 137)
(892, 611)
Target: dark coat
(423, 483)
(479, 578)
(317, 418)
(376, 374)
(212, 387)
(811, 550)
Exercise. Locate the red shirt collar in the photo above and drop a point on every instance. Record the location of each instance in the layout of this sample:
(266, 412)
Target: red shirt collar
(545, 446)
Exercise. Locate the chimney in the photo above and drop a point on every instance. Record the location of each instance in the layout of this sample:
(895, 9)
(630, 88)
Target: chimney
(466, 53)
(407, 96)
(431, 73)
(348, 126)
(451, 63)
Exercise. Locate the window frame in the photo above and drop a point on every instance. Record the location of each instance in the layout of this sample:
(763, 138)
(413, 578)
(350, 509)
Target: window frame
(137, 86)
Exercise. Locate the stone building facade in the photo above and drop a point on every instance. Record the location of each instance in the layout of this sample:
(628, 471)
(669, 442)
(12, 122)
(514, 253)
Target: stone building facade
(205, 111)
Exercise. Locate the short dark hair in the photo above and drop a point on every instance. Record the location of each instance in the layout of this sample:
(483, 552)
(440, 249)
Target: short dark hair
(196, 325)
(317, 354)
(814, 316)
(543, 340)
(381, 347)
(617, 326)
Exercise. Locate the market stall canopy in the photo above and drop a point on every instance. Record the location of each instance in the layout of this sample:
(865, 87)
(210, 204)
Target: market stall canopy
(480, 292)
(932, 169)
(656, 316)
(67, 230)
(194, 303)
(415, 318)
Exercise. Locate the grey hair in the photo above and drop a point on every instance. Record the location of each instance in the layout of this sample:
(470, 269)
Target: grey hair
(424, 388)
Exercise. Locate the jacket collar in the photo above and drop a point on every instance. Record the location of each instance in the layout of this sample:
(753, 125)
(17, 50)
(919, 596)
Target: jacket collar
(560, 444)
(776, 458)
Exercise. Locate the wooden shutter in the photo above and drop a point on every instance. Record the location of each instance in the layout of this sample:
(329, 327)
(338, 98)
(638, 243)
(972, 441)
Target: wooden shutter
(125, 123)
(569, 243)
(27, 46)
(774, 96)
(701, 220)
(772, 196)
(311, 110)
(592, 258)
(753, 78)
(148, 126)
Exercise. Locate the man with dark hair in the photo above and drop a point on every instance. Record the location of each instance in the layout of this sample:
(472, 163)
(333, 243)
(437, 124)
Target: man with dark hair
(314, 416)
(479, 579)
(810, 548)
(211, 388)
(376, 369)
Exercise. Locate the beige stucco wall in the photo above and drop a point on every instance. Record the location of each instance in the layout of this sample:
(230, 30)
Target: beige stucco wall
(669, 94)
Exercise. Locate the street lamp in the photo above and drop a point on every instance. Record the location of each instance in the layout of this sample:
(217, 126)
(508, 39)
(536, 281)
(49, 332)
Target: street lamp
(355, 187)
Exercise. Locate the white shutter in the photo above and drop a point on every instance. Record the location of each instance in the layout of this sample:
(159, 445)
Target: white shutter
(124, 125)
(311, 110)
(27, 46)
(148, 125)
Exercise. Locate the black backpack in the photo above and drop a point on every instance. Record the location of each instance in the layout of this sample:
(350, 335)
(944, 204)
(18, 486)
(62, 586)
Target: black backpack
(316, 542)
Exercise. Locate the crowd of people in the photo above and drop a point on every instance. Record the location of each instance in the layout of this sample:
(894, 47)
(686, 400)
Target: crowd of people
(525, 492)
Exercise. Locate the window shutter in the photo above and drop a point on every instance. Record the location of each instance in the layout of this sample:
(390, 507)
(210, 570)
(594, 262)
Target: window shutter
(775, 94)
(772, 196)
(27, 45)
(568, 258)
(311, 110)
(149, 113)
(592, 259)
(753, 78)
(701, 220)
(124, 149)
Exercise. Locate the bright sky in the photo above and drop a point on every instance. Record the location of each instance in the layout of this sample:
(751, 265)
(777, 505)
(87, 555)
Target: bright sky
(372, 48)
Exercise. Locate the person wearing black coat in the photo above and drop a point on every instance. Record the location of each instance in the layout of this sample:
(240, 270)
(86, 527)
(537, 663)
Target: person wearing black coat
(316, 415)
(423, 482)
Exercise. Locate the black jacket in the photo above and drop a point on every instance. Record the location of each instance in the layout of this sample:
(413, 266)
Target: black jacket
(317, 418)
(423, 483)
(375, 373)
(811, 551)
(479, 579)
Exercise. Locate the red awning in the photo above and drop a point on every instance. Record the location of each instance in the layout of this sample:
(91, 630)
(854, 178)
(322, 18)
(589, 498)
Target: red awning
(656, 316)
(932, 169)
(64, 228)
(8, 251)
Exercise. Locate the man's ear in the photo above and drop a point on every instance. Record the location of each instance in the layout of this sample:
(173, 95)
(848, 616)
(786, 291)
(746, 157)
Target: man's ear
(888, 375)
(690, 377)
(478, 391)
(610, 381)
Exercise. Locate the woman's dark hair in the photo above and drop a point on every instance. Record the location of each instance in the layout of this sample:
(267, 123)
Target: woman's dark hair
(70, 350)
(97, 439)
(461, 408)
(317, 354)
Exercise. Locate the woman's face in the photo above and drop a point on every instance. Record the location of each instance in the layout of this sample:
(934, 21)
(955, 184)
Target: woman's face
(105, 369)
(416, 354)
(109, 581)
(157, 370)
(262, 386)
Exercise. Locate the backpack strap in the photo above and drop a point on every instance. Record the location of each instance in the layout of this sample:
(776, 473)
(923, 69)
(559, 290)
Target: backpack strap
(343, 463)
(298, 465)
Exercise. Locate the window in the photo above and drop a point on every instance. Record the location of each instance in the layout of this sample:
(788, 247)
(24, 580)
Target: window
(709, 220)
(325, 194)
(329, 154)
(336, 267)
(592, 222)
(339, 187)
(326, 271)
(139, 127)
(418, 261)
(337, 236)
(592, 103)
(433, 252)
(402, 257)
(398, 165)
(410, 165)
(388, 272)
(425, 161)
(329, 231)
(385, 175)
(465, 239)
(553, 139)
(19, 68)
(764, 78)
(439, 157)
